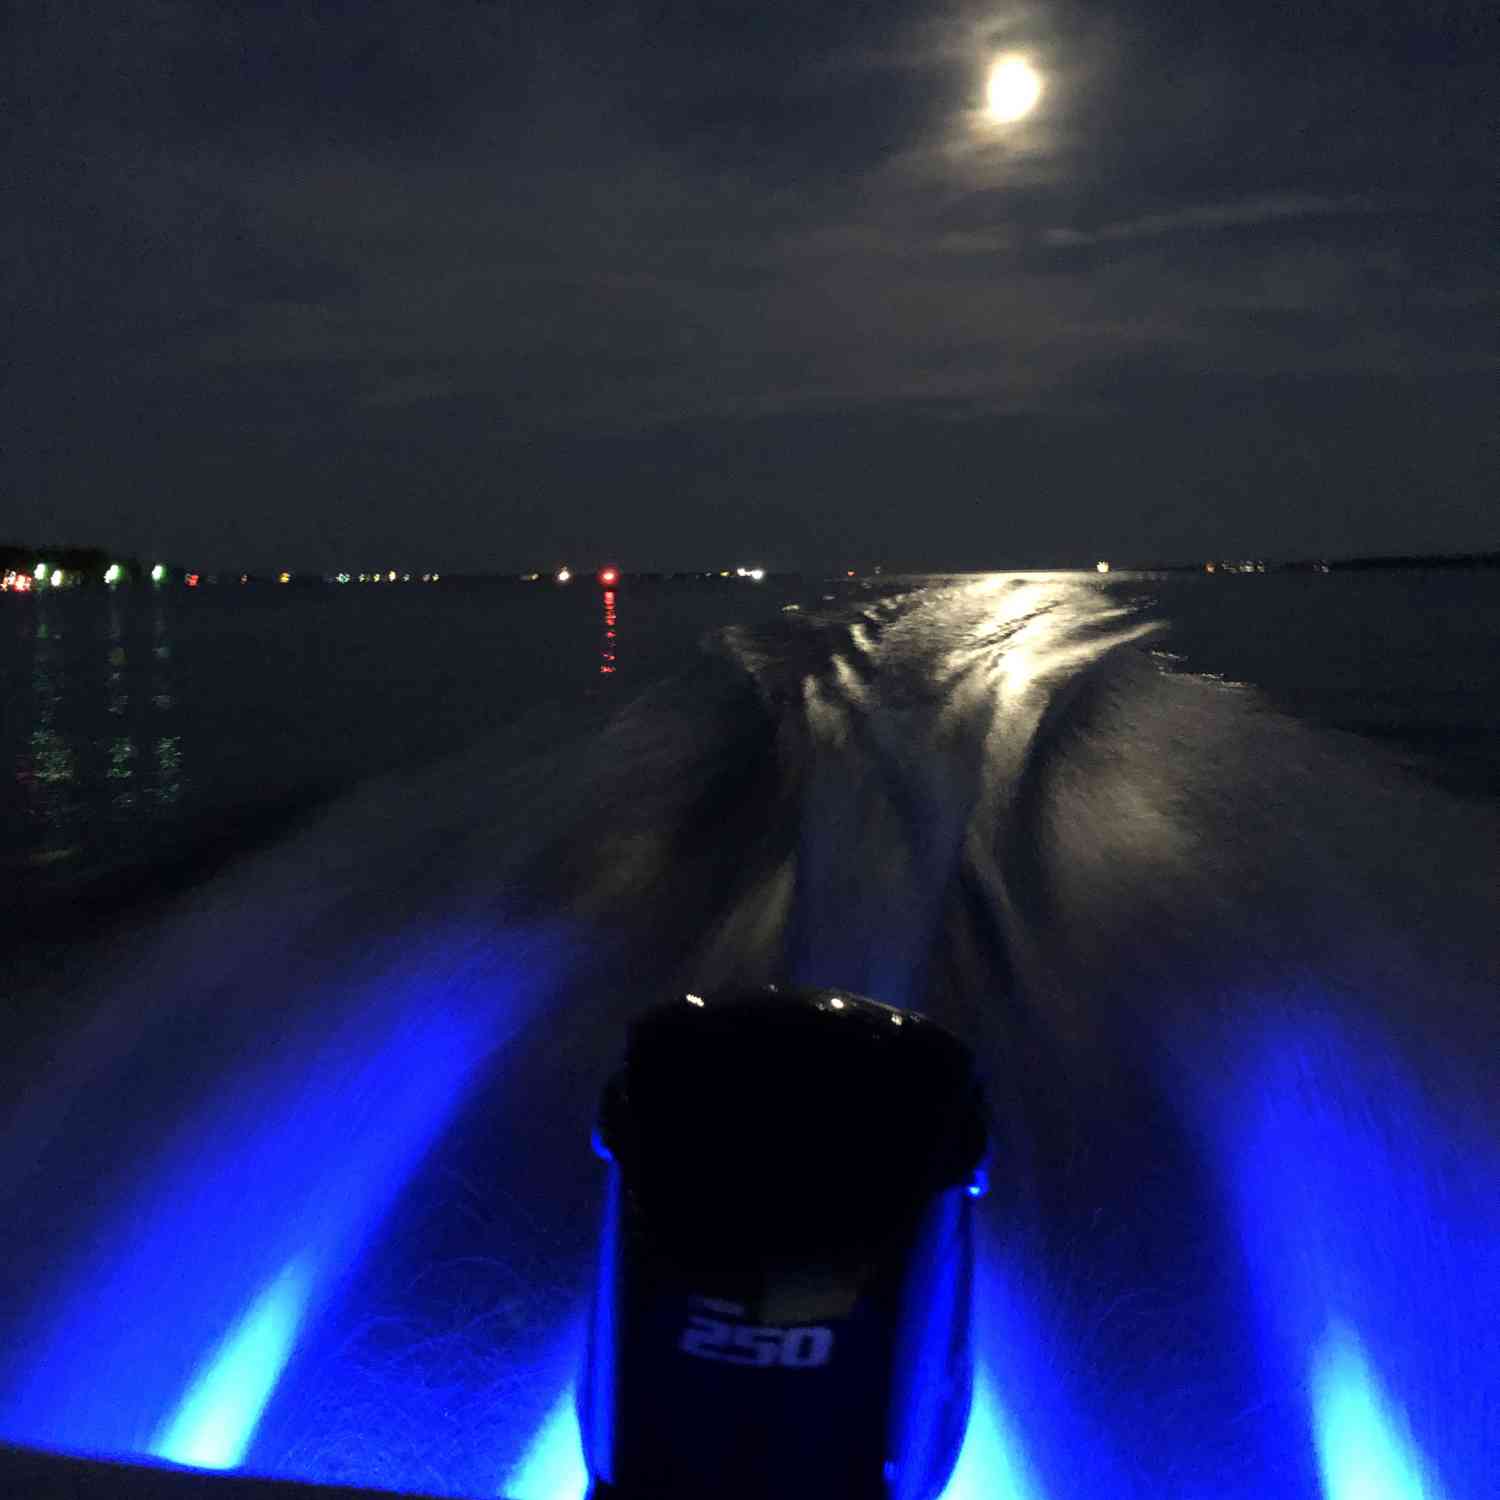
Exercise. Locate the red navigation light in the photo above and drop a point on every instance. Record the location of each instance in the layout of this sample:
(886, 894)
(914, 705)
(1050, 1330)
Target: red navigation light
(609, 577)
(191, 580)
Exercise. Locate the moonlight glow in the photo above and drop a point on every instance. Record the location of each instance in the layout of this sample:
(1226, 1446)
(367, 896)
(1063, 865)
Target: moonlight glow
(1013, 89)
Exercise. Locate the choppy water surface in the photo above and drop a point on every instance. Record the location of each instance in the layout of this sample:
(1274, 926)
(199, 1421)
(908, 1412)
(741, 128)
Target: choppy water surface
(304, 1160)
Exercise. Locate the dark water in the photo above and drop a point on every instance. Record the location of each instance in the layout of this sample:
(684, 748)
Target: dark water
(138, 721)
(142, 724)
(301, 1157)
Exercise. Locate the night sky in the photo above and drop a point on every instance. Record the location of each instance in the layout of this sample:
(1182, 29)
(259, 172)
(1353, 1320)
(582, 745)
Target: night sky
(486, 285)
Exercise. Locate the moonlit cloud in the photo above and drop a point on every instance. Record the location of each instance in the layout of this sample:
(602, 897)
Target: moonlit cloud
(299, 243)
(1215, 216)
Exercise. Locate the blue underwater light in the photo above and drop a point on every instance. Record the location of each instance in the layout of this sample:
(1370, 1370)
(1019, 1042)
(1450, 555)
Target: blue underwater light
(212, 1427)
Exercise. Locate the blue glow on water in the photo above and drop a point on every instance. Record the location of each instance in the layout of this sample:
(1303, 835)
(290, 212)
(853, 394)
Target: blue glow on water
(1367, 1218)
(1368, 1211)
(992, 1465)
(596, 1414)
(1035, 1430)
(552, 1467)
(1365, 1451)
(170, 1331)
(217, 1418)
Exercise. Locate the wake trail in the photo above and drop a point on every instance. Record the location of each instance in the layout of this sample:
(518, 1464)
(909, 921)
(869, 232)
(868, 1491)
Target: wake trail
(1231, 979)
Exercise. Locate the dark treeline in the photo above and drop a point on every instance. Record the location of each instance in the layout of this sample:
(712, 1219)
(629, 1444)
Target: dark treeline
(1452, 560)
(70, 559)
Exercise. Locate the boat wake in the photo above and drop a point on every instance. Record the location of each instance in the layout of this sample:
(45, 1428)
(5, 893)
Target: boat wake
(304, 1169)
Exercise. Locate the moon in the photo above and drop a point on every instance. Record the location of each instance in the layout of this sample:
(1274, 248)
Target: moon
(1013, 89)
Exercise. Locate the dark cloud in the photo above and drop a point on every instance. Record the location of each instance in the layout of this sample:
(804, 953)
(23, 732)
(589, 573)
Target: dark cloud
(295, 279)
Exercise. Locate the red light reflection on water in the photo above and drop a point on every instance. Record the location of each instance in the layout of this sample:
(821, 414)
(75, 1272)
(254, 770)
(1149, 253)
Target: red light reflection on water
(607, 665)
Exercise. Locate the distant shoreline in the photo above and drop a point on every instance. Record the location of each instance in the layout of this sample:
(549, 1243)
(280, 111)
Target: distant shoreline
(90, 565)
(1395, 562)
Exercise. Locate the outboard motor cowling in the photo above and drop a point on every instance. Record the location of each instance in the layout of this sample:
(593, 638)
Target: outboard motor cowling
(783, 1301)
